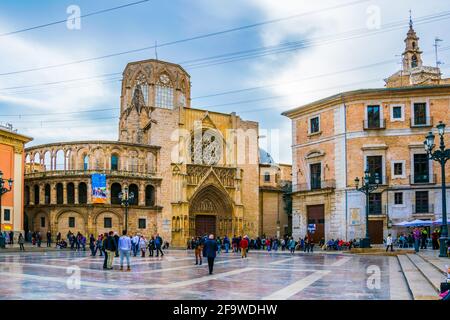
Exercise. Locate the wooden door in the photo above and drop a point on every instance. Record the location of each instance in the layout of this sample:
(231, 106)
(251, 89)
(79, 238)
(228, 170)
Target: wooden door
(316, 215)
(376, 231)
(205, 224)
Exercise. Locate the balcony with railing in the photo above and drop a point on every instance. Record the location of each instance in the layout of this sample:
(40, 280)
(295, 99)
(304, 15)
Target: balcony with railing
(420, 122)
(64, 173)
(422, 179)
(422, 208)
(315, 185)
(374, 124)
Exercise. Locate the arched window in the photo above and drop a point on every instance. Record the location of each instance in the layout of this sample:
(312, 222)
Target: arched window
(114, 162)
(86, 162)
(70, 193)
(414, 44)
(47, 194)
(36, 194)
(60, 160)
(141, 81)
(59, 193)
(82, 193)
(206, 148)
(414, 61)
(134, 188)
(150, 196)
(164, 92)
(27, 195)
(48, 161)
(116, 188)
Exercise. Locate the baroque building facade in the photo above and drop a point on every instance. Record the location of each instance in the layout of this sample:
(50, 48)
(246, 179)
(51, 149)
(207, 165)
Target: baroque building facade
(191, 171)
(12, 167)
(337, 138)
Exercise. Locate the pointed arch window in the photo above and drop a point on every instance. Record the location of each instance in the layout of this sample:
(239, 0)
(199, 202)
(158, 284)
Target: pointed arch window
(164, 92)
(141, 81)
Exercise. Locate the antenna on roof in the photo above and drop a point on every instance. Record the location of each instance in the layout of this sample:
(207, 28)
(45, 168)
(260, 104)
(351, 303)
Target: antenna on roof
(436, 46)
(156, 49)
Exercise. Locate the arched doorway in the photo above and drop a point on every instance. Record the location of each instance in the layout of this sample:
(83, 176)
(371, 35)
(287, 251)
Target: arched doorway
(212, 210)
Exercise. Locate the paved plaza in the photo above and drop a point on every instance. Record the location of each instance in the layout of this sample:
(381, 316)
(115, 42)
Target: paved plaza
(54, 275)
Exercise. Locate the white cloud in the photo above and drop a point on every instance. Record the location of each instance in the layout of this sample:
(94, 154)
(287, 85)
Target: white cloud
(18, 53)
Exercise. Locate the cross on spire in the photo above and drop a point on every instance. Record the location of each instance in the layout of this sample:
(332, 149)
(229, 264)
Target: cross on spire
(410, 19)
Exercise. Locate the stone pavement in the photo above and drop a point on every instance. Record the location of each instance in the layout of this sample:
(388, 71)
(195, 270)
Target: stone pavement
(76, 275)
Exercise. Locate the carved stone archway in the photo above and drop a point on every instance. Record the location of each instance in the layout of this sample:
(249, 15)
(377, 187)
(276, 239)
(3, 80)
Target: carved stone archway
(212, 209)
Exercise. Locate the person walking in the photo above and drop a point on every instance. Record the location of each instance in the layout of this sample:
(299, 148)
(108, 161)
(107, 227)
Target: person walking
(39, 239)
(116, 239)
(389, 243)
(135, 243)
(11, 238)
(244, 247)
(210, 251)
(158, 244)
(21, 241)
(219, 245)
(416, 236)
(424, 237)
(143, 246)
(104, 244)
(435, 239)
(98, 245)
(125, 250)
(92, 244)
(49, 239)
(226, 243)
(198, 250)
(291, 245)
(111, 249)
(151, 246)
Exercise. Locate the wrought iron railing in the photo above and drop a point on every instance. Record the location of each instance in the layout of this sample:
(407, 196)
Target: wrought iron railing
(320, 185)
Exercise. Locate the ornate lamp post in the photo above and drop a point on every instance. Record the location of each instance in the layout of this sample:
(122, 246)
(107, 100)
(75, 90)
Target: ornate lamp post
(4, 190)
(441, 156)
(367, 187)
(126, 198)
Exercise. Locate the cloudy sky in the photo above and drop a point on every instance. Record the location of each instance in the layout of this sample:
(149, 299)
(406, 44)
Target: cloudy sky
(284, 53)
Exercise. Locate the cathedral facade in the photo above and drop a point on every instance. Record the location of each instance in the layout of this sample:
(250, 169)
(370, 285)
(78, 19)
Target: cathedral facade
(190, 171)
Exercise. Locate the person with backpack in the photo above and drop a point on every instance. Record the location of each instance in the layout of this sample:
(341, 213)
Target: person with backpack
(198, 250)
(292, 245)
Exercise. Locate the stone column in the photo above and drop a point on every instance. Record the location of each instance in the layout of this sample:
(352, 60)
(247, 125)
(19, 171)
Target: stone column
(141, 194)
(75, 186)
(53, 193)
(41, 194)
(64, 192)
(89, 191)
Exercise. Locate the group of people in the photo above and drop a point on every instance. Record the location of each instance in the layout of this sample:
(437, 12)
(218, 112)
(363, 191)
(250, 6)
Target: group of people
(418, 238)
(8, 238)
(111, 245)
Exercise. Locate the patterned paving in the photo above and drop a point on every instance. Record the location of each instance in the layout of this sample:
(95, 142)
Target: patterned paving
(73, 275)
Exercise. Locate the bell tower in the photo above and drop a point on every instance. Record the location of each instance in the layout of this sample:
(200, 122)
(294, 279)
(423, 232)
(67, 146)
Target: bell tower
(412, 56)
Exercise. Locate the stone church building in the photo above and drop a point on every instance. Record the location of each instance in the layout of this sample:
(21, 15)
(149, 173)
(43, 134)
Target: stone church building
(191, 171)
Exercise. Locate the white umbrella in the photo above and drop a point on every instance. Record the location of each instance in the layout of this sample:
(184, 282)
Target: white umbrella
(439, 221)
(401, 224)
(418, 223)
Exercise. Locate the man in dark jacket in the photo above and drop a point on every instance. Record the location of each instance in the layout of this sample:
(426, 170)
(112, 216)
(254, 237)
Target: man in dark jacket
(209, 251)
(116, 240)
(111, 248)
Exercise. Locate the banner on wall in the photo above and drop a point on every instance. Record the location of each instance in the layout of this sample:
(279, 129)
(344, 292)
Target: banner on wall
(98, 182)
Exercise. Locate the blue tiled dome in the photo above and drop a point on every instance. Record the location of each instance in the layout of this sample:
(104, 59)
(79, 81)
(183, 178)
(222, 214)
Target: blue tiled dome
(265, 157)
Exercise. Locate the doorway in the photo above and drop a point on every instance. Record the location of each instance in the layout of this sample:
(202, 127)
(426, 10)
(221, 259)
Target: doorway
(316, 215)
(205, 224)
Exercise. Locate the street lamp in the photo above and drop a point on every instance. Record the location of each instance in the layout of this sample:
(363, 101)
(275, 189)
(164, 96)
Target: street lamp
(126, 198)
(4, 190)
(441, 155)
(367, 187)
